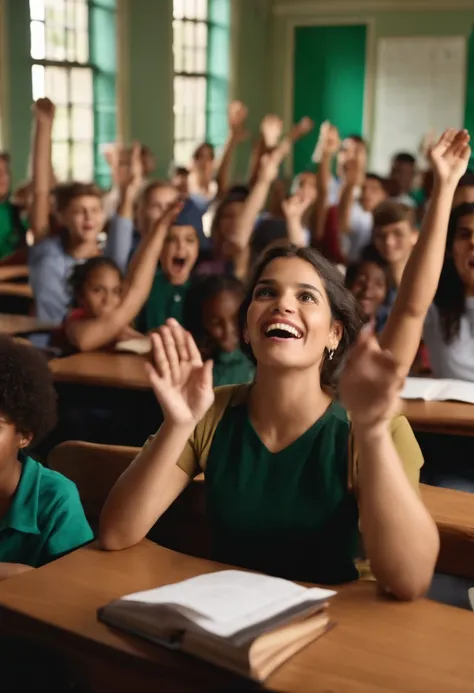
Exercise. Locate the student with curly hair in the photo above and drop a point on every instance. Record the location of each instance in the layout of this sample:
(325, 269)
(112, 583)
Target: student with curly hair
(41, 516)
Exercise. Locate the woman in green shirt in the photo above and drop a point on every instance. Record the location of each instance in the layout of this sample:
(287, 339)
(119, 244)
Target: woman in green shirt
(289, 479)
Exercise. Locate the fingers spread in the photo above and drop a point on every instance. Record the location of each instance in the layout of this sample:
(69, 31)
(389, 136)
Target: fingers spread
(171, 354)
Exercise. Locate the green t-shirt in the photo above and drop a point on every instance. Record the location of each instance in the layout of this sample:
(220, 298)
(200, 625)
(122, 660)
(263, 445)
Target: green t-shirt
(232, 369)
(45, 519)
(165, 301)
(289, 513)
(9, 235)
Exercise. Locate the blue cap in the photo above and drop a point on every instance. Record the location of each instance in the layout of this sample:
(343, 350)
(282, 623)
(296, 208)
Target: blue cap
(191, 216)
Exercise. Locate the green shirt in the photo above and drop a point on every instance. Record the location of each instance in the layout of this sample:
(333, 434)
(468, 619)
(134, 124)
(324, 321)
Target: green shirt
(9, 235)
(165, 301)
(289, 513)
(45, 519)
(232, 369)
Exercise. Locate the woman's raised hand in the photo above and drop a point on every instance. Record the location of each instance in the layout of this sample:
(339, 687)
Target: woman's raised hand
(182, 383)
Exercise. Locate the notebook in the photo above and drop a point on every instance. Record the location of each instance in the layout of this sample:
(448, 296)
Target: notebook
(244, 622)
(471, 597)
(430, 389)
(135, 346)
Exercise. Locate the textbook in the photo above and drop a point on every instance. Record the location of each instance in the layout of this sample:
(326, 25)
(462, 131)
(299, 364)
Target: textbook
(434, 390)
(135, 346)
(244, 622)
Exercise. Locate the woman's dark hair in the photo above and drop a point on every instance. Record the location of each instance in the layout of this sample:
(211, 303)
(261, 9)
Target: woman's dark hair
(27, 395)
(343, 305)
(203, 290)
(80, 273)
(450, 297)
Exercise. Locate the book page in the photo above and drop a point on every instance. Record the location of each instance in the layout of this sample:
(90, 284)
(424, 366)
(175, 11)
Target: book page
(232, 599)
(135, 346)
(456, 391)
(420, 388)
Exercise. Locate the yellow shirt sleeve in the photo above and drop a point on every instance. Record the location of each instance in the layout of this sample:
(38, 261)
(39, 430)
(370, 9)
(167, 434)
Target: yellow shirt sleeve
(194, 456)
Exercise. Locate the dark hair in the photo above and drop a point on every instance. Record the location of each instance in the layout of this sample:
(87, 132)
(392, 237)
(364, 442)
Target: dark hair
(404, 158)
(267, 232)
(5, 156)
(181, 171)
(27, 395)
(204, 145)
(383, 181)
(357, 138)
(151, 187)
(343, 305)
(81, 272)
(467, 180)
(391, 212)
(450, 297)
(203, 290)
(65, 193)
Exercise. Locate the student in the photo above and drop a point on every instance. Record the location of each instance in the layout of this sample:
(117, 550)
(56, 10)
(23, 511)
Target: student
(446, 323)
(369, 282)
(278, 454)
(106, 303)
(41, 517)
(394, 236)
(211, 314)
(12, 226)
(355, 216)
(402, 174)
(173, 278)
(179, 180)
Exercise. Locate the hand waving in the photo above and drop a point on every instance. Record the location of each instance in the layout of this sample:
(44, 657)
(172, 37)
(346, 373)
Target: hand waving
(450, 156)
(44, 110)
(181, 382)
(295, 206)
(237, 114)
(370, 384)
(271, 128)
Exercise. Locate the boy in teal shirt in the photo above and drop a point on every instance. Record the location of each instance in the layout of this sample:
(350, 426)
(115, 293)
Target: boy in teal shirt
(41, 516)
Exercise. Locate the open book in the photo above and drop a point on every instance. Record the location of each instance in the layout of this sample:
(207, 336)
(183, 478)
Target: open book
(430, 389)
(244, 622)
(135, 346)
(471, 597)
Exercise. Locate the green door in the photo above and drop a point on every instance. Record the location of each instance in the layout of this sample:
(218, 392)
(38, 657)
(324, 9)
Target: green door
(469, 113)
(329, 80)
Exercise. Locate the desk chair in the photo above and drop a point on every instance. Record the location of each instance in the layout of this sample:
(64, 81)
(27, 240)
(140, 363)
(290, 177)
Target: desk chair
(95, 468)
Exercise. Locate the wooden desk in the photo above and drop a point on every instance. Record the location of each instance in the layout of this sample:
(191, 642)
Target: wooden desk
(14, 289)
(378, 646)
(22, 324)
(450, 418)
(102, 369)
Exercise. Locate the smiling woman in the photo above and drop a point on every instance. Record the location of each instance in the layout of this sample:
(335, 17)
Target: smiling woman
(290, 479)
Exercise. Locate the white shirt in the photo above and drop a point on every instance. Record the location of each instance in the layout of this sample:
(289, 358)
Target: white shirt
(454, 360)
(360, 234)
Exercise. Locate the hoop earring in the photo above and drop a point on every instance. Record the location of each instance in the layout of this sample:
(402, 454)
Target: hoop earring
(331, 353)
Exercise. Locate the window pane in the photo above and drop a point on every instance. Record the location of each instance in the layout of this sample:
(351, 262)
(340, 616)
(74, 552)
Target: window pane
(60, 154)
(82, 16)
(188, 33)
(201, 126)
(57, 84)
(82, 123)
(178, 9)
(189, 60)
(82, 161)
(201, 9)
(70, 14)
(200, 60)
(61, 124)
(201, 35)
(37, 82)
(55, 42)
(81, 86)
(190, 8)
(201, 84)
(71, 45)
(37, 40)
(82, 46)
(37, 9)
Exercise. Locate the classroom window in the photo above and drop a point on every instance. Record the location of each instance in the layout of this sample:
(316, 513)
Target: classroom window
(190, 41)
(74, 64)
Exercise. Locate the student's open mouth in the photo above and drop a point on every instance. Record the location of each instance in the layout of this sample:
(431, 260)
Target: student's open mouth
(282, 331)
(178, 262)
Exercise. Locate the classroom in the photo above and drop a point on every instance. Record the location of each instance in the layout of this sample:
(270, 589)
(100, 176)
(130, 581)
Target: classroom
(236, 346)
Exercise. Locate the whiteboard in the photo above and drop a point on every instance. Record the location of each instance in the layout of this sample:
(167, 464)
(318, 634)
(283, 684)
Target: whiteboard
(419, 85)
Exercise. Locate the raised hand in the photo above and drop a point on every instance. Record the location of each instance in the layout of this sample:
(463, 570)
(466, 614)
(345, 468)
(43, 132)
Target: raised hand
(44, 111)
(181, 382)
(111, 153)
(301, 129)
(237, 115)
(370, 384)
(270, 163)
(450, 156)
(271, 128)
(333, 140)
(169, 215)
(295, 206)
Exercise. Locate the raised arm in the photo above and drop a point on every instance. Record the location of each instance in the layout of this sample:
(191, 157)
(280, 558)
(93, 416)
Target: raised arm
(400, 537)
(43, 113)
(237, 114)
(354, 170)
(294, 208)
(183, 387)
(271, 129)
(404, 327)
(329, 146)
(94, 333)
